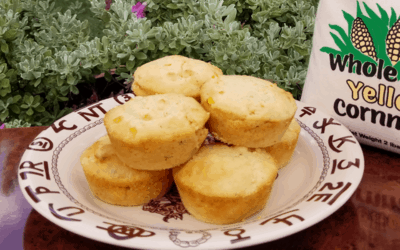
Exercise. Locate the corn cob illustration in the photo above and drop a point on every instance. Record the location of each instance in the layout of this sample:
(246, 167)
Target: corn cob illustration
(361, 38)
(393, 43)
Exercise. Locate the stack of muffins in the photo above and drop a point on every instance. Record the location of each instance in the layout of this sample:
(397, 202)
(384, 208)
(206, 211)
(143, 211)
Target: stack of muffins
(157, 138)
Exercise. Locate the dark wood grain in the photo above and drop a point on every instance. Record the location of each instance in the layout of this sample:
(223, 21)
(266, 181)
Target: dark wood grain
(14, 142)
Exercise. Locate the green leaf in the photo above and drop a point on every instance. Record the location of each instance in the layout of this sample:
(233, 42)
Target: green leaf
(350, 19)
(393, 18)
(172, 6)
(330, 51)
(3, 115)
(230, 71)
(60, 82)
(5, 83)
(214, 35)
(64, 112)
(10, 35)
(184, 43)
(14, 108)
(125, 75)
(2, 76)
(64, 88)
(105, 41)
(36, 99)
(339, 42)
(303, 52)
(40, 109)
(107, 76)
(30, 100)
(4, 48)
(24, 106)
(153, 32)
(37, 82)
(172, 45)
(230, 18)
(342, 33)
(141, 55)
(74, 90)
(16, 98)
(70, 79)
(278, 70)
(108, 65)
(122, 55)
(384, 15)
(11, 73)
(151, 46)
(47, 53)
(26, 97)
(371, 13)
(130, 65)
(27, 76)
(359, 11)
(62, 98)
(4, 92)
(29, 112)
(104, 60)
(119, 70)
(228, 10)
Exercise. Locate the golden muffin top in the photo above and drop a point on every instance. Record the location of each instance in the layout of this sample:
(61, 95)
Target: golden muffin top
(156, 117)
(222, 171)
(247, 97)
(174, 74)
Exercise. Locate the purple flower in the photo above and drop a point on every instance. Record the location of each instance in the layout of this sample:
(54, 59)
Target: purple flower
(3, 126)
(139, 9)
(108, 4)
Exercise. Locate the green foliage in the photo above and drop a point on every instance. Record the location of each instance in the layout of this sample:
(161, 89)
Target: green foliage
(17, 124)
(270, 39)
(48, 48)
(42, 65)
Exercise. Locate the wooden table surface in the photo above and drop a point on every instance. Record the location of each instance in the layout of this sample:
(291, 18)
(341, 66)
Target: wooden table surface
(369, 220)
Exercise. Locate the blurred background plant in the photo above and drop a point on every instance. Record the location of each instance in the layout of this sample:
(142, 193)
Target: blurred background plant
(16, 124)
(50, 50)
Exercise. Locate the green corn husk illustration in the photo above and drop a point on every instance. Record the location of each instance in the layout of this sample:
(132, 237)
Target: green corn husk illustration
(393, 43)
(380, 28)
(361, 38)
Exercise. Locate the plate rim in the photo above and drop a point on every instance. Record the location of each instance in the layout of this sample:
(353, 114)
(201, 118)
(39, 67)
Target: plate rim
(256, 239)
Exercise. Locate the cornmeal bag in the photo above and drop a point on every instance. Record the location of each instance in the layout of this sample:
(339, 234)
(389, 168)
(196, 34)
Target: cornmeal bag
(354, 68)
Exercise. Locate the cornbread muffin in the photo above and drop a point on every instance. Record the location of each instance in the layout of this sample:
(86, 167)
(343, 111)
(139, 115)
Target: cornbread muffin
(157, 132)
(247, 111)
(112, 181)
(283, 150)
(173, 74)
(223, 185)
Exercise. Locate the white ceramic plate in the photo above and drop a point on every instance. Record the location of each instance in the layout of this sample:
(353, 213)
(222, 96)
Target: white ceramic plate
(325, 170)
